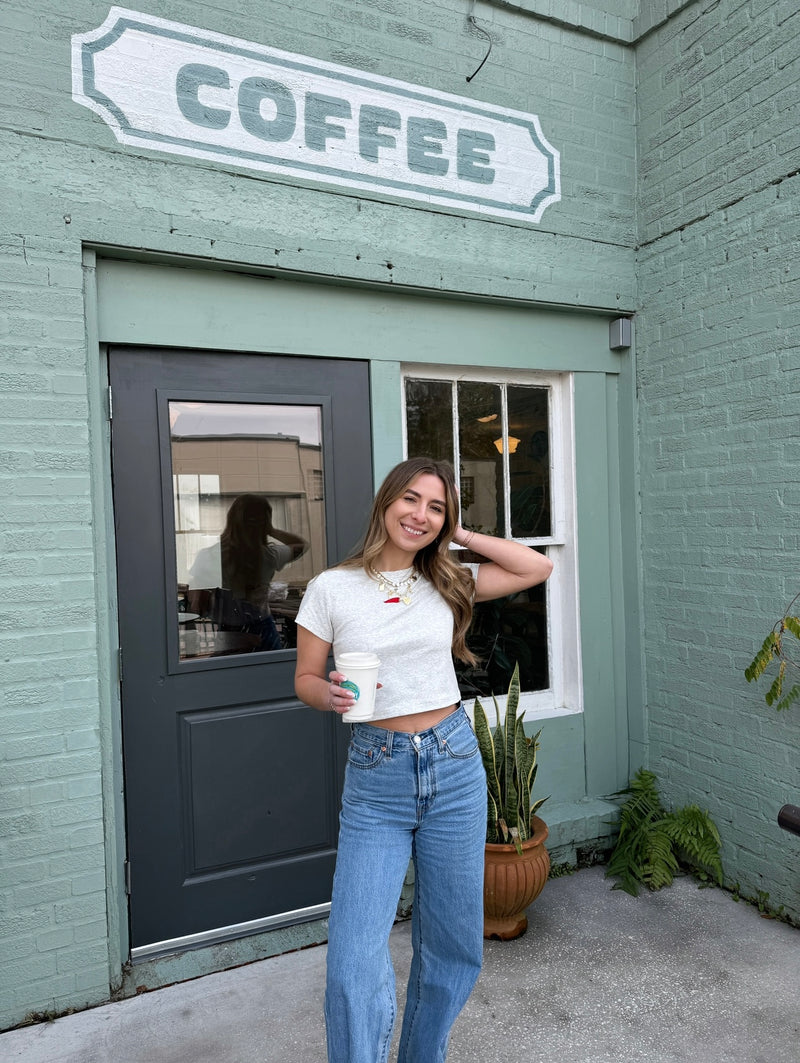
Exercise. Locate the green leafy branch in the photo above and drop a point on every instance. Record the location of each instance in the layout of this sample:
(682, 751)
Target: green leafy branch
(774, 648)
(654, 844)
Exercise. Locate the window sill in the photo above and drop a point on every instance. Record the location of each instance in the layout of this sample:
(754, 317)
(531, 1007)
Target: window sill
(532, 711)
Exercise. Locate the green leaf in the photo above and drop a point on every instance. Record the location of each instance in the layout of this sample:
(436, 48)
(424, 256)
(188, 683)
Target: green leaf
(697, 840)
(523, 790)
(774, 692)
(492, 815)
(487, 751)
(643, 802)
(510, 792)
(661, 863)
(653, 844)
(790, 698)
(769, 649)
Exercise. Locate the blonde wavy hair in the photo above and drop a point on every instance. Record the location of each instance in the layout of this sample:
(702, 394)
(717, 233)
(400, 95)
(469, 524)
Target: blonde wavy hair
(453, 581)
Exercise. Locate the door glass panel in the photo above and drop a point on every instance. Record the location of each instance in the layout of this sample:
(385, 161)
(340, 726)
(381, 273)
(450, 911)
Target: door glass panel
(249, 522)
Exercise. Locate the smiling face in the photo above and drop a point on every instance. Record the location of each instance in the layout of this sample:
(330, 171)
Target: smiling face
(413, 520)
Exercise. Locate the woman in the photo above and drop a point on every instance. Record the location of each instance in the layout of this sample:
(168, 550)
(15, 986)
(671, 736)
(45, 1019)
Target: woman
(239, 570)
(414, 784)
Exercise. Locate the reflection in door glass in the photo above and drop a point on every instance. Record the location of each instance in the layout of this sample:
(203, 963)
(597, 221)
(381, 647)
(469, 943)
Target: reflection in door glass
(249, 522)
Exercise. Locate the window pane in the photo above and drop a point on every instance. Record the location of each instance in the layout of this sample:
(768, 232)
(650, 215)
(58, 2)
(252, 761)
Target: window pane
(511, 630)
(249, 522)
(529, 461)
(480, 436)
(429, 419)
(503, 633)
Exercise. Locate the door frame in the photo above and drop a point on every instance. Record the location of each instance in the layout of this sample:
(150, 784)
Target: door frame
(169, 300)
(104, 329)
(175, 711)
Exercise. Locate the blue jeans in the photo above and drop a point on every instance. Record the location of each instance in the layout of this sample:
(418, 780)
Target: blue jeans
(420, 797)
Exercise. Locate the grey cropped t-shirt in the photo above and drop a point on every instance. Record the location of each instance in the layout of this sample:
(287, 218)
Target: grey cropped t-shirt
(345, 607)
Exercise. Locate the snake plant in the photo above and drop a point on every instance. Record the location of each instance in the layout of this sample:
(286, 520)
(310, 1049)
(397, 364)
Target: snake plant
(509, 757)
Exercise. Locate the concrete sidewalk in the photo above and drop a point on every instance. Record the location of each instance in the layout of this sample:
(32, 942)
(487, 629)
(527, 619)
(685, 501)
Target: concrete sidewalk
(600, 977)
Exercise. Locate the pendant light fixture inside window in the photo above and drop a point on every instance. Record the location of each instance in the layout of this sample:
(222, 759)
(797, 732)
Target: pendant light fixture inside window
(513, 443)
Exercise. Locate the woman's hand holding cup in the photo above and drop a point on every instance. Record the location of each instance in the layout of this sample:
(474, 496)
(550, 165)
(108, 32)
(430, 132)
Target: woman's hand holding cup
(356, 679)
(340, 699)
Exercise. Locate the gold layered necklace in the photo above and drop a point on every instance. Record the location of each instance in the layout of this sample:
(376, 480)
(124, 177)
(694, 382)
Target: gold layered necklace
(399, 590)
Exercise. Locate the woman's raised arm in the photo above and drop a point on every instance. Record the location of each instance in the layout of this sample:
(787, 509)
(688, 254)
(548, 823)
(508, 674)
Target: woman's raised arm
(511, 567)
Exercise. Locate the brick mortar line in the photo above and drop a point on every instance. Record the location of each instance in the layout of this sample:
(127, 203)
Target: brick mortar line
(234, 172)
(673, 14)
(587, 31)
(562, 23)
(723, 206)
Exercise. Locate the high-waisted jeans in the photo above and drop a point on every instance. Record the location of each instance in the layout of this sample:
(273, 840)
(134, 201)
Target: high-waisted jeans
(420, 796)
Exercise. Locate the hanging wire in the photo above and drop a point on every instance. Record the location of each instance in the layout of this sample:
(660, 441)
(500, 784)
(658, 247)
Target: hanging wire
(485, 35)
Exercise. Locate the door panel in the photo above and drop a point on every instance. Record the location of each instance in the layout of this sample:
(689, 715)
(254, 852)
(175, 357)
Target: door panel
(232, 785)
(237, 814)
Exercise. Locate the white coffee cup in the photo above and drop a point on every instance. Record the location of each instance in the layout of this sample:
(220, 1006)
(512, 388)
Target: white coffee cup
(361, 671)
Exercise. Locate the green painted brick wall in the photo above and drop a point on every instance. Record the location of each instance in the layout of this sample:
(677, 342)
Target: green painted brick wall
(66, 183)
(718, 358)
(717, 330)
(581, 87)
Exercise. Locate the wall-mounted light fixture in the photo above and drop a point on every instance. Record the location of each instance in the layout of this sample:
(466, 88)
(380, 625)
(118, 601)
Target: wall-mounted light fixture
(620, 333)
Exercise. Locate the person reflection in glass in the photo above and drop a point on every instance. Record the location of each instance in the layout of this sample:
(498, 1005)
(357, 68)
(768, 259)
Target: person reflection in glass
(243, 564)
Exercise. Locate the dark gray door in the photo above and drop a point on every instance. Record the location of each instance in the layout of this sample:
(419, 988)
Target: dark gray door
(231, 785)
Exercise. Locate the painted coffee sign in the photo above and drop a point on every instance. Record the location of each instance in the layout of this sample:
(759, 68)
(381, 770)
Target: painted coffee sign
(170, 87)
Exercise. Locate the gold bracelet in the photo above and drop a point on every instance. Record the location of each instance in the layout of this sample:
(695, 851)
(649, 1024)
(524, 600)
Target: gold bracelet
(467, 541)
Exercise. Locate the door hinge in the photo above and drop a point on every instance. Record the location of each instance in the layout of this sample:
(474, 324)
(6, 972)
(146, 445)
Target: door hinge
(119, 666)
(128, 877)
(110, 404)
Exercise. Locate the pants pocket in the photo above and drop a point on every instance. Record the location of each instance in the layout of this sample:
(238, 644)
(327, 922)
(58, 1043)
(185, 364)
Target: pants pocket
(462, 743)
(364, 755)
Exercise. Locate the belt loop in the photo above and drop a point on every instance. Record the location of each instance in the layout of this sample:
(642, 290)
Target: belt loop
(388, 741)
(441, 742)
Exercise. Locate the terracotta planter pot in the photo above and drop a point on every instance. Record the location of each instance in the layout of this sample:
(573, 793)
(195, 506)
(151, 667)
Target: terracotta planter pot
(512, 882)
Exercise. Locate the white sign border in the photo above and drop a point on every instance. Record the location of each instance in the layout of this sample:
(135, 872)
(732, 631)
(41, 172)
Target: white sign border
(119, 19)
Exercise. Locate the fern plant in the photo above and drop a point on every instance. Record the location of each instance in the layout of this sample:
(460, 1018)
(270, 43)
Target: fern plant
(654, 844)
(774, 649)
(509, 757)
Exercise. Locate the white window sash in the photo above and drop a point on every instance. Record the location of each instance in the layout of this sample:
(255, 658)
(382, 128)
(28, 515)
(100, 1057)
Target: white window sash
(564, 696)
